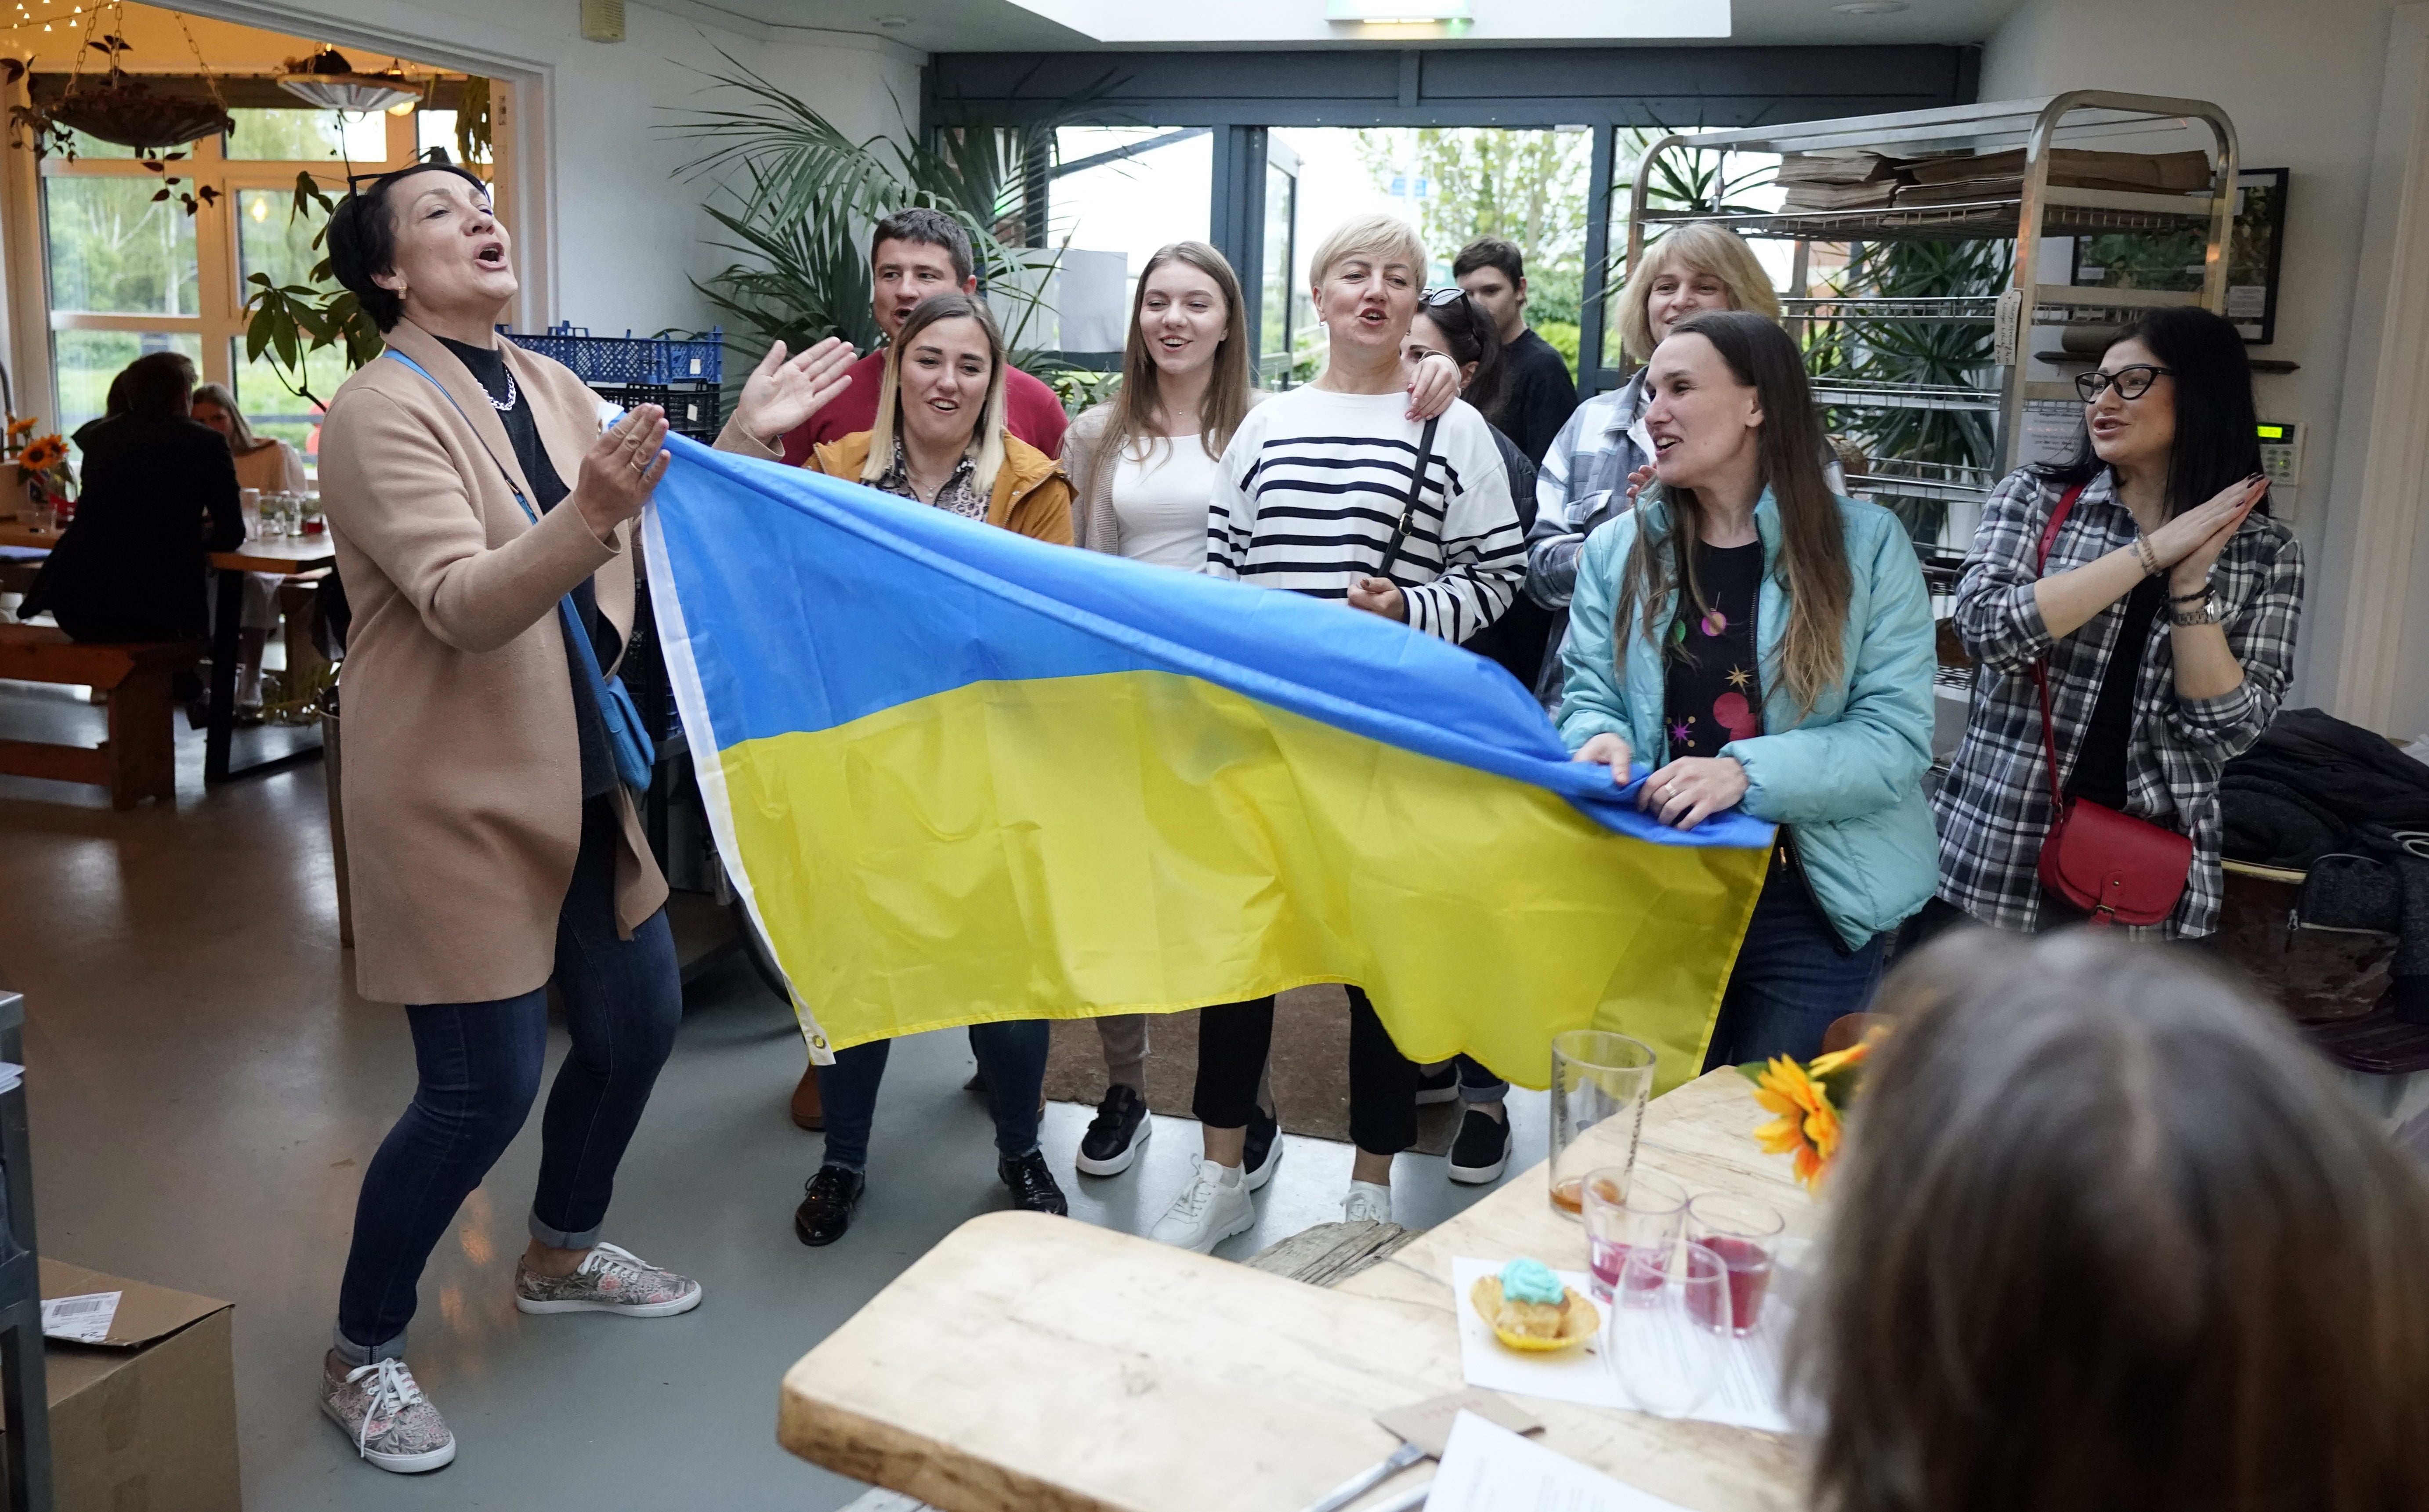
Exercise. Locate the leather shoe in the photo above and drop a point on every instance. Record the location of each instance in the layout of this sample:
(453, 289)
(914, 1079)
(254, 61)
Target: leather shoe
(1032, 1185)
(827, 1203)
(808, 1111)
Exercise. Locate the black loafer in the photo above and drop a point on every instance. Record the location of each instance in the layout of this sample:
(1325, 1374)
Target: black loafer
(1440, 1085)
(1262, 1151)
(1481, 1152)
(1032, 1185)
(827, 1202)
(1115, 1135)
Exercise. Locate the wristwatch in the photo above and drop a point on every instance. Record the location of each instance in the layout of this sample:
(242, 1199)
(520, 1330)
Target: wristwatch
(2204, 612)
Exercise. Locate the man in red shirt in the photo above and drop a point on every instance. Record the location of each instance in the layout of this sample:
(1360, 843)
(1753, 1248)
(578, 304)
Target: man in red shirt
(912, 255)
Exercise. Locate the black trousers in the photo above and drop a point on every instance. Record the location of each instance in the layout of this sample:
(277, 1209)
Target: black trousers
(1235, 1039)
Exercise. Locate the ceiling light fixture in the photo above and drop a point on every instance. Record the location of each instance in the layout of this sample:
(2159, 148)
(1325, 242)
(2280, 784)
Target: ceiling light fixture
(330, 82)
(1872, 8)
(1395, 12)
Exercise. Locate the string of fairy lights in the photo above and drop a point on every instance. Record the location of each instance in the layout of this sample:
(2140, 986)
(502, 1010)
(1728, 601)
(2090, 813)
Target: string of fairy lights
(22, 18)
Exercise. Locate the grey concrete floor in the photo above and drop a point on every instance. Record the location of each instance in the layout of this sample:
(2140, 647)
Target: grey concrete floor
(206, 1088)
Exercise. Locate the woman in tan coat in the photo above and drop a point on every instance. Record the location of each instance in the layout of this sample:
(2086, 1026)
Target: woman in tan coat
(494, 848)
(939, 441)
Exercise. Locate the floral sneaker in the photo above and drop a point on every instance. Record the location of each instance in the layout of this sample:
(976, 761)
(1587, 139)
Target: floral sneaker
(392, 1424)
(609, 1280)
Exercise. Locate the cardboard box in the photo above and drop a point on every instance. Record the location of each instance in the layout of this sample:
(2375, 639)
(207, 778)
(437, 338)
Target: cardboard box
(146, 1421)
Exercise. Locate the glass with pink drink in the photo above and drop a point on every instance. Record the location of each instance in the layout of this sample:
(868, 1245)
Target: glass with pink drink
(1743, 1232)
(1628, 1210)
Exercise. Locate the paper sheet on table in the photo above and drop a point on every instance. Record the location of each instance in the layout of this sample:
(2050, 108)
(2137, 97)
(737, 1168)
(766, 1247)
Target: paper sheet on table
(1747, 1397)
(1486, 1468)
(84, 1319)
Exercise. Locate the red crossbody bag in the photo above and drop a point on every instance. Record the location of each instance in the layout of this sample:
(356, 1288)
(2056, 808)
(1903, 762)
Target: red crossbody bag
(2115, 867)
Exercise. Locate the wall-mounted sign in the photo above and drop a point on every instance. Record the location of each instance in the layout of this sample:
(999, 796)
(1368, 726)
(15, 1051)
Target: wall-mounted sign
(2134, 259)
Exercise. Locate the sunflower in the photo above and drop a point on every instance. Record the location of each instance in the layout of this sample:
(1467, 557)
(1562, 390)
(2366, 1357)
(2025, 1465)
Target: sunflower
(41, 454)
(1808, 1126)
(20, 427)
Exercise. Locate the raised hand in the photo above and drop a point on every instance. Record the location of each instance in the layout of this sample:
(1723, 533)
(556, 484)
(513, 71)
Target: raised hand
(782, 393)
(1636, 481)
(2188, 545)
(620, 469)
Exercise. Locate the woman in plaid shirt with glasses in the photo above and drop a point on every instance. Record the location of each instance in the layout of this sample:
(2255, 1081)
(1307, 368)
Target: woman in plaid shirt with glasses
(2167, 612)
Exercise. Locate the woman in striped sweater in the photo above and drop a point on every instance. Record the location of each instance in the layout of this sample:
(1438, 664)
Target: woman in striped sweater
(1309, 496)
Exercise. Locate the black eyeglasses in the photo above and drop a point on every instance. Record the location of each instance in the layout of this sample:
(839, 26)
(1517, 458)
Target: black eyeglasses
(2130, 383)
(1435, 299)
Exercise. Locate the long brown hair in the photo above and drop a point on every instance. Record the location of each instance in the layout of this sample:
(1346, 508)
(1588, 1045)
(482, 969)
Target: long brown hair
(1812, 536)
(986, 437)
(1141, 398)
(2108, 1235)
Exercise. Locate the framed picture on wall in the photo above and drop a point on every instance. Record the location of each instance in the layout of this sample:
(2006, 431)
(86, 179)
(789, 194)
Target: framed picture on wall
(2139, 261)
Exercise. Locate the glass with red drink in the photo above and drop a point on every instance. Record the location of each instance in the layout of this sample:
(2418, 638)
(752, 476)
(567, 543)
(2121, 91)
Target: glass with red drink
(1743, 1232)
(1600, 1081)
(1626, 1212)
(1669, 1336)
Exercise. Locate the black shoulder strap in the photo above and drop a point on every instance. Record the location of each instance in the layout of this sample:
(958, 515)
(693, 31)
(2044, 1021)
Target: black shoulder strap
(1416, 489)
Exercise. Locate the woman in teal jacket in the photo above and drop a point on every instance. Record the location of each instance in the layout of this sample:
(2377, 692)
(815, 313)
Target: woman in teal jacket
(1792, 676)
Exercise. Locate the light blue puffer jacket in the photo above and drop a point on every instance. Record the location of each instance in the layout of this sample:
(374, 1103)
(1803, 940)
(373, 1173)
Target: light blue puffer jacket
(1847, 777)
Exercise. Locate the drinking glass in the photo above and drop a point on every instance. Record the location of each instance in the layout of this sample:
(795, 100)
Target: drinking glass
(1743, 1232)
(248, 505)
(1627, 1211)
(1599, 1083)
(1669, 1330)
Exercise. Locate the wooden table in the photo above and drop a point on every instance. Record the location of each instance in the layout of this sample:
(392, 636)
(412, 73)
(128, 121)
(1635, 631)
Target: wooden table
(1032, 1362)
(281, 554)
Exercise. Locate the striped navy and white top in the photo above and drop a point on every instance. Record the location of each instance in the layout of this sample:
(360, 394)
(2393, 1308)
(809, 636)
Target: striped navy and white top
(1313, 484)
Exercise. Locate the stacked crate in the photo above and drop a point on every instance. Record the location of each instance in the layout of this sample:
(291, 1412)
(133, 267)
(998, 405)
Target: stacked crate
(681, 374)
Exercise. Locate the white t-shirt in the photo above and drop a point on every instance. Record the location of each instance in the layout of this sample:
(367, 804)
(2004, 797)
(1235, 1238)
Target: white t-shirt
(274, 468)
(1160, 504)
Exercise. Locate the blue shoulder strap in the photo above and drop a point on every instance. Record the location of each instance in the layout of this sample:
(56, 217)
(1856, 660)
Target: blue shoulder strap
(528, 512)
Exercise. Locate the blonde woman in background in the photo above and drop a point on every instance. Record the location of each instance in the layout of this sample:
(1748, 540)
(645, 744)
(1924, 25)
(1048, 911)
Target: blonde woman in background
(1584, 480)
(271, 466)
(1143, 466)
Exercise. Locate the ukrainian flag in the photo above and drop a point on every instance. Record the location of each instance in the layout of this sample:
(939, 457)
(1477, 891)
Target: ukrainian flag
(962, 776)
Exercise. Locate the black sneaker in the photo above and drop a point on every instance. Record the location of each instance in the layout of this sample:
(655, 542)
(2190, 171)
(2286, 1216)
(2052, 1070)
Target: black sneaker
(827, 1201)
(1115, 1134)
(1481, 1152)
(1439, 1085)
(1032, 1186)
(1263, 1150)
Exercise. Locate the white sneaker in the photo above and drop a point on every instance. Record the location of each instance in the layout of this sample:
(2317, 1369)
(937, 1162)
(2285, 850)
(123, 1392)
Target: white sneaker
(1366, 1200)
(392, 1424)
(1208, 1211)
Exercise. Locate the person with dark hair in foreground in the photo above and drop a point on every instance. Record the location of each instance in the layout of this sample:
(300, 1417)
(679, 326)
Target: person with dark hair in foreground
(912, 255)
(159, 493)
(2166, 612)
(1536, 395)
(2107, 1237)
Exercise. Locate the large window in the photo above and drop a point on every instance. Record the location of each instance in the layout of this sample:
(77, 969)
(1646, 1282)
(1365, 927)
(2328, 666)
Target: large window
(129, 273)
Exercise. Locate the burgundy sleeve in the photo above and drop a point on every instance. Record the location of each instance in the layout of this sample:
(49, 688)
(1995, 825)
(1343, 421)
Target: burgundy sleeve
(1033, 412)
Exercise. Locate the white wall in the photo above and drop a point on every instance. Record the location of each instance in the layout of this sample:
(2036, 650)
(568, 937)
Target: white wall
(2301, 85)
(612, 237)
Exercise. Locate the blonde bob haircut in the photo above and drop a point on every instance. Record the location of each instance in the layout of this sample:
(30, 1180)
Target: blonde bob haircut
(986, 437)
(1386, 238)
(1696, 249)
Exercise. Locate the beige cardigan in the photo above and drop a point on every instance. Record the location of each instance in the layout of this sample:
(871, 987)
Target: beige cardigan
(463, 773)
(1092, 523)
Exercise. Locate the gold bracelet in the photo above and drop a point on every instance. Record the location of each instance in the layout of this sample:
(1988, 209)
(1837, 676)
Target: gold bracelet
(2150, 567)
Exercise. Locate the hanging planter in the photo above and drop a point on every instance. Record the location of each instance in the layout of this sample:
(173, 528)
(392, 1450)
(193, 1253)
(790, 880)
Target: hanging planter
(328, 81)
(123, 109)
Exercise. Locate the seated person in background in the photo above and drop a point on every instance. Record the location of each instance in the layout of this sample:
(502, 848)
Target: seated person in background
(913, 255)
(159, 493)
(2109, 1236)
(273, 467)
(940, 439)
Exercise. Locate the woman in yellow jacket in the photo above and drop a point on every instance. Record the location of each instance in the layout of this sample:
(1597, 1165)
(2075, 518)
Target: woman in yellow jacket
(939, 439)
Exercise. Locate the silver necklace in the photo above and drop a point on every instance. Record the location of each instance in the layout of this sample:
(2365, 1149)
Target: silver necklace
(501, 406)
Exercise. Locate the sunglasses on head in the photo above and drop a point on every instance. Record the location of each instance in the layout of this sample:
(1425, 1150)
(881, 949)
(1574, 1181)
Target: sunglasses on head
(2130, 383)
(1435, 299)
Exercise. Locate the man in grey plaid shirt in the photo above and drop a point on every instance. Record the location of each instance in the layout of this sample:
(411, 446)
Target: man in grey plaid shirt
(1993, 810)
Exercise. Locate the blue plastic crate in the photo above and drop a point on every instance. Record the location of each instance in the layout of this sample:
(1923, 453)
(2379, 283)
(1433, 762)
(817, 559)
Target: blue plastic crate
(628, 359)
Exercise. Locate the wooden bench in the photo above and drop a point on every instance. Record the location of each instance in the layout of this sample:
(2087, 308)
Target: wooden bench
(137, 760)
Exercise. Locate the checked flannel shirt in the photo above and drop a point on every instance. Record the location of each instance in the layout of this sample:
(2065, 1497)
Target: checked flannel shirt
(1994, 808)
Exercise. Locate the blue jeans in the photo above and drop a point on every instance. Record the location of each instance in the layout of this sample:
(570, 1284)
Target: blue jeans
(1792, 979)
(480, 1066)
(1012, 1057)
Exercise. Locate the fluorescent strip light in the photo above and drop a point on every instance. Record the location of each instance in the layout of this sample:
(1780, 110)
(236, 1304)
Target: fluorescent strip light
(1404, 12)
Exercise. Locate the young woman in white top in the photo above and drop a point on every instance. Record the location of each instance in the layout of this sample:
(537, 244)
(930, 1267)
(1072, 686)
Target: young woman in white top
(1143, 467)
(271, 466)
